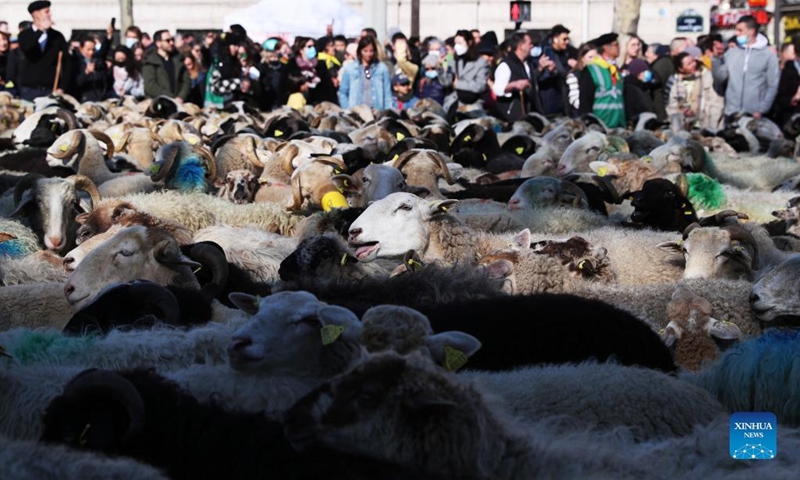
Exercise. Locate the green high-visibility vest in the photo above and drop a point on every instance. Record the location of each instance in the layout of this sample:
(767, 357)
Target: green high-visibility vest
(609, 100)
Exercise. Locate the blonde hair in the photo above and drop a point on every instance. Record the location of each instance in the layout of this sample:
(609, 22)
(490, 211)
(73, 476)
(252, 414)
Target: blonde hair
(623, 51)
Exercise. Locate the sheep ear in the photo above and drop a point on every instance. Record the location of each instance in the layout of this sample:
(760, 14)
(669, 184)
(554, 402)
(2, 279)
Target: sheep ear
(168, 253)
(500, 269)
(347, 321)
(670, 334)
(452, 349)
(723, 330)
(682, 182)
(346, 183)
(440, 206)
(522, 240)
(456, 170)
(671, 247)
(81, 218)
(603, 168)
(28, 198)
(245, 302)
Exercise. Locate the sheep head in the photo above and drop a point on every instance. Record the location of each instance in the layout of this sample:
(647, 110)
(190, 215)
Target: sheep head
(774, 297)
(547, 191)
(712, 252)
(134, 253)
(239, 186)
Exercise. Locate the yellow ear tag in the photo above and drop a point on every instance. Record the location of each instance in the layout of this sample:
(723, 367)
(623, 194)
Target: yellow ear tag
(62, 148)
(333, 200)
(679, 243)
(278, 133)
(683, 205)
(415, 265)
(687, 213)
(484, 157)
(661, 332)
(453, 359)
(343, 261)
(331, 333)
(344, 182)
(467, 138)
(263, 181)
(399, 136)
(647, 159)
(193, 140)
(396, 156)
(602, 171)
(196, 270)
(519, 150)
(581, 264)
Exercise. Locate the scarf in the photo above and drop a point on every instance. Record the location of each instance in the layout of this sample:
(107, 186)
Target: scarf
(309, 70)
(602, 63)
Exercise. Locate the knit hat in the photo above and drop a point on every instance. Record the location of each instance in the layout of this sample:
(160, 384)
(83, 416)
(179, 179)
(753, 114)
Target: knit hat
(637, 66)
(486, 48)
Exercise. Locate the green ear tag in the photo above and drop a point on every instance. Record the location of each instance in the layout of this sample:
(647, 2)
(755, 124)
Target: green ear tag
(454, 359)
(155, 168)
(330, 333)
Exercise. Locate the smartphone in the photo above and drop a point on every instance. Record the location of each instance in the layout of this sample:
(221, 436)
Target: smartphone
(113, 21)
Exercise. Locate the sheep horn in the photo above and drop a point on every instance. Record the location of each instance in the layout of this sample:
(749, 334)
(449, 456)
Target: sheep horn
(719, 218)
(253, 157)
(126, 137)
(154, 137)
(287, 158)
(332, 161)
(82, 182)
(25, 183)
(62, 153)
(118, 388)
(688, 230)
(211, 255)
(102, 137)
(162, 166)
(211, 162)
(68, 117)
(404, 157)
(220, 141)
(443, 166)
(297, 194)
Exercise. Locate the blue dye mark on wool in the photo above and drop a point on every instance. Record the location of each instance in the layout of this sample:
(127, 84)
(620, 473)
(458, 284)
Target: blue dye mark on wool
(31, 347)
(190, 176)
(13, 249)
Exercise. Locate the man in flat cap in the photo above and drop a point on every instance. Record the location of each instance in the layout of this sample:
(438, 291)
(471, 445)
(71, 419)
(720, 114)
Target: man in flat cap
(40, 46)
(601, 86)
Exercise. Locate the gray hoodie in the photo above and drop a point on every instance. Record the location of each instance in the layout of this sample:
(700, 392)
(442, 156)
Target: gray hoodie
(752, 74)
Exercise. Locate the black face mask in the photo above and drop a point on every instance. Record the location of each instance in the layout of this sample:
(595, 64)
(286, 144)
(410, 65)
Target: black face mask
(119, 64)
(339, 56)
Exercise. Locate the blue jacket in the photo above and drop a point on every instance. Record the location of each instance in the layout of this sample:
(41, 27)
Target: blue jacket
(351, 89)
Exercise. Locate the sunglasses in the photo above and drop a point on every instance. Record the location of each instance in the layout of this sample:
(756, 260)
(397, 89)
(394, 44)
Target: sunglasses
(168, 40)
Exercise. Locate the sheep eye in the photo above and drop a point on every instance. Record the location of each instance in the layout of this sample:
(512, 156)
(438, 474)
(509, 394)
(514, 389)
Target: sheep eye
(125, 253)
(405, 207)
(365, 180)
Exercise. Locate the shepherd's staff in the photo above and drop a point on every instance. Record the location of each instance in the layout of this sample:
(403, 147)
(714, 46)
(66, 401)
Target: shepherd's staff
(58, 71)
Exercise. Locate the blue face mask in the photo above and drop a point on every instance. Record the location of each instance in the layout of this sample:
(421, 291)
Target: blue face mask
(536, 52)
(648, 75)
(130, 42)
(431, 73)
(311, 53)
(742, 40)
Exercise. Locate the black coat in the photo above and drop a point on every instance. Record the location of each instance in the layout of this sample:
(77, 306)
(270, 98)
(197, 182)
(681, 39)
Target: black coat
(39, 67)
(787, 87)
(637, 98)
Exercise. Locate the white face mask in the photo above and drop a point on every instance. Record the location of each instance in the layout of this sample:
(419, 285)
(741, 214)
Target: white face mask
(460, 49)
(536, 52)
(130, 42)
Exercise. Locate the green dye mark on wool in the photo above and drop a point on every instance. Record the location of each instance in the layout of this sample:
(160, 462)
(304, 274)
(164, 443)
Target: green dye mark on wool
(32, 346)
(705, 192)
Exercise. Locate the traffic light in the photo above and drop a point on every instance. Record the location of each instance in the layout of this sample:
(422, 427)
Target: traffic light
(519, 11)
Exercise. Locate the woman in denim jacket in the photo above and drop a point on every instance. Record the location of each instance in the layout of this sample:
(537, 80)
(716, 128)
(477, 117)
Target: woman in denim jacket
(366, 81)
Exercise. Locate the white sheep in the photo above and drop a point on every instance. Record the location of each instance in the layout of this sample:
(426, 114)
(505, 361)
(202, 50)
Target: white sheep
(28, 460)
(34, 305)
(750, 172)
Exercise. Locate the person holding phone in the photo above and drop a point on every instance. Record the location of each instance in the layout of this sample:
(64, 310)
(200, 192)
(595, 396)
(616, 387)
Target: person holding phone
(44, 49)
(93, 80)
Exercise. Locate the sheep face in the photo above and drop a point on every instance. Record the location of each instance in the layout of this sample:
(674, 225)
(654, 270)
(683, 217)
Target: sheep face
(547, 191)
(239, 187)
(101, 218)
(581, 153)
(135, 253)
(394, 225)
(660, 204)
(289, 330)
(775, 295)
(712, 252)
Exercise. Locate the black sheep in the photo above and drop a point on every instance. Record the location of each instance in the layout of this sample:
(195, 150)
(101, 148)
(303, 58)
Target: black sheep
(661, 205)
(477, 147)
(549, 328)
(144, 416)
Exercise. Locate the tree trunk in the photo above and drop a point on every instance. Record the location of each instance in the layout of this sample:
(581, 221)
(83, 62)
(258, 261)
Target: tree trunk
(626, 16)
(126, 16)
(415, 18)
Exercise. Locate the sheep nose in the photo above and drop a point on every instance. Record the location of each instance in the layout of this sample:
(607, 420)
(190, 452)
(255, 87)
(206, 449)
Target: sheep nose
(68, 289)
(55, 241)
(68, 263)
(355, 232)
(754, 297)
(238, 344)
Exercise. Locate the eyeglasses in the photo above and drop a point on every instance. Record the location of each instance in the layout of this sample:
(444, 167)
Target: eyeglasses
(169, 40)
(367, 73)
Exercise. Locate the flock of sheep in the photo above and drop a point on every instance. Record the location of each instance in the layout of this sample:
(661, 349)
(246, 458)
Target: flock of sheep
(190, 293)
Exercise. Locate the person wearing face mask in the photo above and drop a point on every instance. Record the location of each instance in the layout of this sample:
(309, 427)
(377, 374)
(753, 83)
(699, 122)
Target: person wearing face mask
(467, 74)
(133, 35)
(516, 79)
(304, 62)
(751, 71)
(601, 85)
(127, 78)
(429, 85)
(637, 90)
